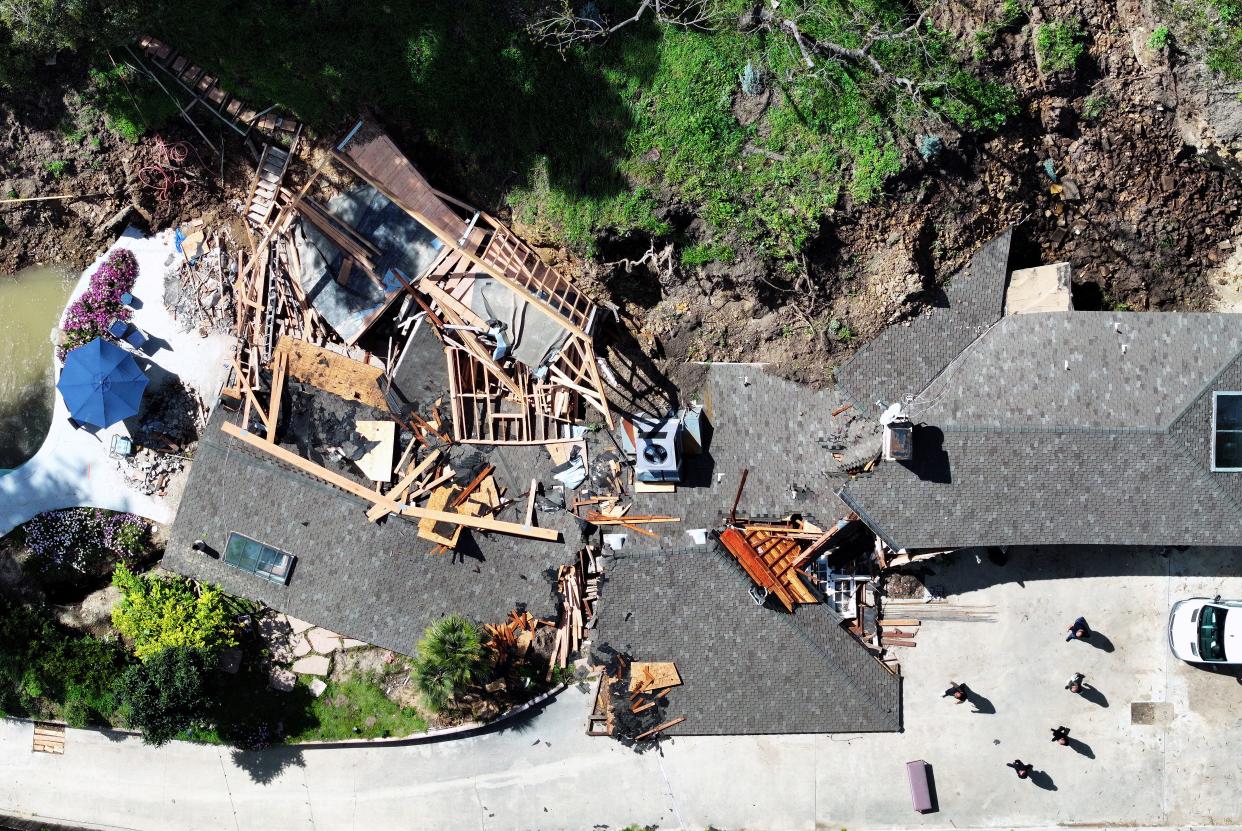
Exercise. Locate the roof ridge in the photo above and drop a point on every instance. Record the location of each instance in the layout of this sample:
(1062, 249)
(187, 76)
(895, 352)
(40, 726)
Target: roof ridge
(1203, 473)
(1203, 390)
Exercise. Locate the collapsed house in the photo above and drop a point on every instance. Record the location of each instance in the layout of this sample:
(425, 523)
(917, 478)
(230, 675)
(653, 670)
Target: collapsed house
(1034, 424)
(385, 253)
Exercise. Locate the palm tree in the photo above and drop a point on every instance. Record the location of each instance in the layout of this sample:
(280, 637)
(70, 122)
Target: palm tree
(450, 657)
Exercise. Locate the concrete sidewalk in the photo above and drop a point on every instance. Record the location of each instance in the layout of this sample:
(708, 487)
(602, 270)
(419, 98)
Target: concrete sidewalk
(72, 466)
(1172, 763)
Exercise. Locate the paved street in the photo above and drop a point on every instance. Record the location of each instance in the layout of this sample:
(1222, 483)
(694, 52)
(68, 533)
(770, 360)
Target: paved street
(1177, 769)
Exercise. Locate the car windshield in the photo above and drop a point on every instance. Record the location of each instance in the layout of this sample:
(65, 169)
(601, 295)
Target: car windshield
(1212, 633)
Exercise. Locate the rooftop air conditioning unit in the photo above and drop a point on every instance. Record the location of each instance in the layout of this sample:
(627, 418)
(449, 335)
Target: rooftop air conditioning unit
(657, 451)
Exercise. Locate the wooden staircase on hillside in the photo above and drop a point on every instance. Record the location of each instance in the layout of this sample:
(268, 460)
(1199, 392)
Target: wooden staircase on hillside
(261, 200)
(205, 91)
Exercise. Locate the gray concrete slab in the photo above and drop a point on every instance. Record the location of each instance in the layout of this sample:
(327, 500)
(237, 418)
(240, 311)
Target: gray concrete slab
(547, 774)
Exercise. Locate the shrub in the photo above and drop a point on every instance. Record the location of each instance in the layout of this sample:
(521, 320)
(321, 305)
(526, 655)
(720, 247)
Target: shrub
(1094, 107)
(47, 670)
(702, 254)
(76, 543)
(450, 657)
(159, 613)
(165, 695)
(1059, 45)
(1159, 39)
(57, 167)
(88, 317)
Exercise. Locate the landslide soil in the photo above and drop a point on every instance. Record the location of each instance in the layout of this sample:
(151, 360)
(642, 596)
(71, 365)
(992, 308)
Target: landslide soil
(1141, 216)
(53, 142)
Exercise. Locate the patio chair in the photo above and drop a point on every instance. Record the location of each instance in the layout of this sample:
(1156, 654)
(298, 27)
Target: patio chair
(127, 299)
(118, 328)
(122, 447)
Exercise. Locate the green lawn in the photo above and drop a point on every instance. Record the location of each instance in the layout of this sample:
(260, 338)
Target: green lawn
(357, 702)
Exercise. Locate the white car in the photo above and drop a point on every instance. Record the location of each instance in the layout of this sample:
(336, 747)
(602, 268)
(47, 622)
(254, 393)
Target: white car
(1204, 631)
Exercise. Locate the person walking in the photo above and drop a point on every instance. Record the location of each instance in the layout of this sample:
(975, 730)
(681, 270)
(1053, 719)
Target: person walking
(1079, 631)
(1021, 768)
(1060, 735)
(1075, 683)
(957, 691)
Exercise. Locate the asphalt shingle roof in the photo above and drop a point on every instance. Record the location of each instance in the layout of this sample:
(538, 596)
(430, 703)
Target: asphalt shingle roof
(374, 582)
(905, 358)
(745, 668)
(1016, 375)
(1045, 430)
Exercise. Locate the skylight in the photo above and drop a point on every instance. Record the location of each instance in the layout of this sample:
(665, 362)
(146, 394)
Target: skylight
(258, 559)
(1227, 431)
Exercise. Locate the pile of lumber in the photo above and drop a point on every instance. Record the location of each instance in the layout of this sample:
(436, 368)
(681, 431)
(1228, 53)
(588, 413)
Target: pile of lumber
(578, 587)
(514, 637)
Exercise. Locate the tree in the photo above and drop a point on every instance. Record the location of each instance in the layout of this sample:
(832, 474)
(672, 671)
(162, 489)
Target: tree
(161, 612)
(562, 26)
(450, 657)
(166, 694)
(33, 30)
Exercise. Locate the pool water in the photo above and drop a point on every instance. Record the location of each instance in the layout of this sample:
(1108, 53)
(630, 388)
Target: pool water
(31, 303)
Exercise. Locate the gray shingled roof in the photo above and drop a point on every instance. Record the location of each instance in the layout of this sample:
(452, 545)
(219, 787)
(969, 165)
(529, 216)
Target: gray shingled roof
(745, 668)
(1016, 375)
(374, 582)
(1044, 430)
(905, 358)
(1045, 487)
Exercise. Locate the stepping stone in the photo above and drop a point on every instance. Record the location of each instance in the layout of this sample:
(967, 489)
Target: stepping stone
(323, 641)
(298, 626)
(230, 660)
(312, 665)
(352, 643)
(317, 687)
(301, 646)
(282, 680)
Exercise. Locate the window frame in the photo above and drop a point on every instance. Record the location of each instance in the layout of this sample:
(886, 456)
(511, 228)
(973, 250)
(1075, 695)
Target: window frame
(1216, 394)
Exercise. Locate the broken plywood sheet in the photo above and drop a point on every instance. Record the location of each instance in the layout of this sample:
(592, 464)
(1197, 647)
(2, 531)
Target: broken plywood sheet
(376, 463)
(1042, 289)
(445, 533)
(330, 372)
(653, 675)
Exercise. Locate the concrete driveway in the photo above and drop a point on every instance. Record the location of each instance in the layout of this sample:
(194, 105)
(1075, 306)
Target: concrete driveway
(1165, 763)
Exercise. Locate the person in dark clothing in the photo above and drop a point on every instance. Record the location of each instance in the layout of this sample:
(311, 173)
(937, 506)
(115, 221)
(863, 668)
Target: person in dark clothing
(1075, 683)
(1060, 735)
(1021, 768)
(957, 691)
(1080, 631)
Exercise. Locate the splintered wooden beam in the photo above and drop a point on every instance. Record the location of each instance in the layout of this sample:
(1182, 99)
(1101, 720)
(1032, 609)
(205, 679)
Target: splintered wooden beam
(659, 728)
(350, 486)
(530, 501)
(279, 371)
(398, 493)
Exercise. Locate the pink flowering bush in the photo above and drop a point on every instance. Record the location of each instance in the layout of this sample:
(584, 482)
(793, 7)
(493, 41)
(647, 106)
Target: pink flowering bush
(80, 545)
(88, 316)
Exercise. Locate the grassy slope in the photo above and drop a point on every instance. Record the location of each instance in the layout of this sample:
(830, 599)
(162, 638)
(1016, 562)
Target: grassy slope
(581, 141)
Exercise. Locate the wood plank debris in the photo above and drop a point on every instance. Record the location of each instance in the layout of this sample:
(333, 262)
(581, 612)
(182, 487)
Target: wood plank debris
(49, 737)
(376, 463)
(649, 676)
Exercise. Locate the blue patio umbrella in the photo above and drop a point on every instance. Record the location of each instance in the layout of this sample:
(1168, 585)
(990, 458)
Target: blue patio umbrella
(101, 383)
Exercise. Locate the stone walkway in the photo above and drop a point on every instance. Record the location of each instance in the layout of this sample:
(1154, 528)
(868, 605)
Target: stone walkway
(72, 466)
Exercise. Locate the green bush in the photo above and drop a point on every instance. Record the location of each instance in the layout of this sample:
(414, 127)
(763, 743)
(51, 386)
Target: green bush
(703, 253)
(159, 613)
(56, 167)
(49, 671)
(450, 658)
(1094, 107)
(1159, 39)
(165, 695)
(1060, 45)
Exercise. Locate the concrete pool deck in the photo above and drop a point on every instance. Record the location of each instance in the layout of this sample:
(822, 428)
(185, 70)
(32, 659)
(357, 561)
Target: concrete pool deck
(72, 467)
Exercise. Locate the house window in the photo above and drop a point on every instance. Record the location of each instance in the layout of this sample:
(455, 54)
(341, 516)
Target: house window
(258, 559)
(1227, 431)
